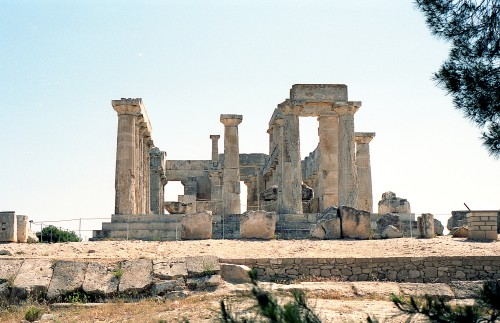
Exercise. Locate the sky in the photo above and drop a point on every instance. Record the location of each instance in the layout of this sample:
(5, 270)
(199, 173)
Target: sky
(62, 62)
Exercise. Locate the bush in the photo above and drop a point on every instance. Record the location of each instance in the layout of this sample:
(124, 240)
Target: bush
(32, 314)
(53, 234)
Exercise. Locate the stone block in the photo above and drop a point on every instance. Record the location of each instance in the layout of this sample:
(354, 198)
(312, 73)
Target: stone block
(197, 226)
(466, 289)
(101, 279)
(33, 278)
(328, 227)
(438, 227)
(9, 268)
(426, 226)
(235, 273)
(68, 276)
(170, 268)
(22, 228)
(204, 282)
(8, 226)
(257, 225)
(137, 276)
(390, 203)
(461, 232)
(178, 207)
(164, 287)
(316, 93)
(388, 219)
(355, 223)
(202, 266)
(391, 232)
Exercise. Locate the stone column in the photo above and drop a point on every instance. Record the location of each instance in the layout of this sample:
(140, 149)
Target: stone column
(347, 167)
(364, 171)
(291, 174)
(125, 176)
(231, 171)
(215, 147)
(328, 174)
(157, 180)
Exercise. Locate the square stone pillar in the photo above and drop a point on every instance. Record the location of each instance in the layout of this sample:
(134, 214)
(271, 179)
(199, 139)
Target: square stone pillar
(215, 147)
(231, 170)
(482, 225)
(328, 177)
(347, 167)
(364, 171)
(291, 163)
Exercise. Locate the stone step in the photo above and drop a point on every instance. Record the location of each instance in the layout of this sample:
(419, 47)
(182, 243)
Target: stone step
(141, 226)
(146, 235)
(124, 218)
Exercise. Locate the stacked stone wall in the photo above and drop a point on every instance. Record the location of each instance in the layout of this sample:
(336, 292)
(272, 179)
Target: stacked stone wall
(400, 269)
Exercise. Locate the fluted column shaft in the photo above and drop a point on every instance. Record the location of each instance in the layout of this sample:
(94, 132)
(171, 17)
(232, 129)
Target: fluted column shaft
(328, 177)
(231, 171)
(364, 171)
(347, 166)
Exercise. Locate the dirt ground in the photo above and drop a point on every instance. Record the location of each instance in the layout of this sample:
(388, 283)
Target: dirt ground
(404, 247)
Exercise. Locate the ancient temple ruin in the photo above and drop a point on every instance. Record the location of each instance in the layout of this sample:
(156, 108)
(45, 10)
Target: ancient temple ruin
(337, 173)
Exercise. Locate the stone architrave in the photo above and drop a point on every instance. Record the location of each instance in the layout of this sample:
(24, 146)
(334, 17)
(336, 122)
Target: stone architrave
(291, 182)
(8, 226)
(328, 181)
(231, 170)
(215, 147)
(347, 166)
(426, 225)
(355, 223)
(363, 170)
(196, 226)
(257, 225)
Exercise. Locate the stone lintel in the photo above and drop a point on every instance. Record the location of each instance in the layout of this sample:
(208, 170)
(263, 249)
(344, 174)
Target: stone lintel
(363, 137)
(231, 120)
(318, 92)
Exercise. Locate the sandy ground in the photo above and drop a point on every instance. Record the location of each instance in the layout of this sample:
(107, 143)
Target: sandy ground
(404, 247)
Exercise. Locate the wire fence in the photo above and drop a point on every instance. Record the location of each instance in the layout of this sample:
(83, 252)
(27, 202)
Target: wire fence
(63, 230)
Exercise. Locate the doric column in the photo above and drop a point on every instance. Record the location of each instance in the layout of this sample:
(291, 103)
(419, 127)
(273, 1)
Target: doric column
(126, 150)
(215, 147)
(157, 180)
(278, 175)
(364, 171)
(347, 166)
(291, 189)
(328, 174)
(231, 171)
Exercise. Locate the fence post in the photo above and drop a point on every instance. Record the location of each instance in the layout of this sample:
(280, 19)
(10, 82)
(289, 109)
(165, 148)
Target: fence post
(41, 232)
(80, 228)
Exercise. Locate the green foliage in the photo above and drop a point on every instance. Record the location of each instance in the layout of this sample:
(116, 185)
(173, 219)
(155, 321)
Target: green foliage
(32, 314)
(53, 234)
(118, 273)
(296, 311)
(486, 309)
(471, 74)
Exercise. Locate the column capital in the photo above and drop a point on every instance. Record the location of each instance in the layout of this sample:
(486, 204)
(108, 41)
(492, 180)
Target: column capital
(127, 106)
(288, 108)
(215, 137)
(363, 137)
(231, 120)
(346, 108)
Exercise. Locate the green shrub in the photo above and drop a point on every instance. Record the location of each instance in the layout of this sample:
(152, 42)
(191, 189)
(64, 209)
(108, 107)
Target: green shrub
(53, 234)
(32, 314)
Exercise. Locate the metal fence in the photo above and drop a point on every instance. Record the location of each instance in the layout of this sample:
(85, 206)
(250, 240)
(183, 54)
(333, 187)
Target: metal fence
(80, 227)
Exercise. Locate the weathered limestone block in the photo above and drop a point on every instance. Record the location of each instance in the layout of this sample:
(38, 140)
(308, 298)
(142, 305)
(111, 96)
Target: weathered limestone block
(169, 268)
(22, 228)
(457, 219)
(328, 226)
(164, 287)
(426, 225)
(390, 203)
(257, 225)
(178, 207)
(391, 232)
(205, 282)
(32, 238)
(196, 226)
(8, 226)
(270, 194)
(235, 273)
(190, 200)
(137, 276)
(68, 276)
(33, 278)
(355, 223)
(438, 227)
(386, 220)
(202, 265)
(101, 279)
(461, 232)
(307, 192)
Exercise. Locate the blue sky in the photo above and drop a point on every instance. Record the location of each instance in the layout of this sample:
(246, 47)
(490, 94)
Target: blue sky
(62, 62)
